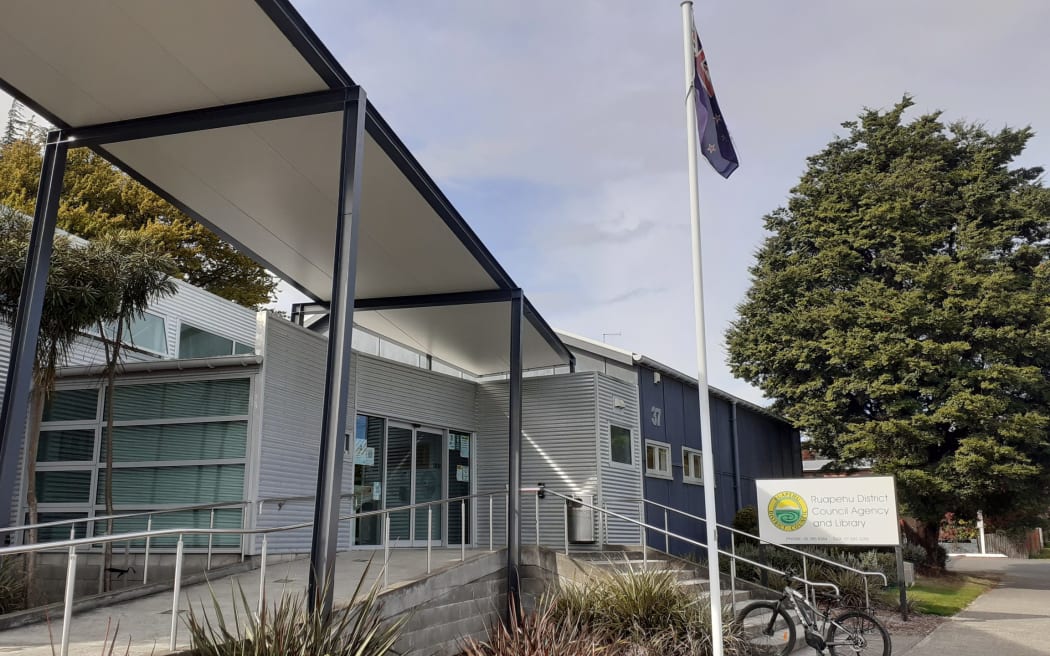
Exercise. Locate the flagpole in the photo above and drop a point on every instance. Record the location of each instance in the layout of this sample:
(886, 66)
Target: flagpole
(708, 461)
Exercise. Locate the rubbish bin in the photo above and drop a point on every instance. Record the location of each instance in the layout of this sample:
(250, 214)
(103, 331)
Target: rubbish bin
(581, 520)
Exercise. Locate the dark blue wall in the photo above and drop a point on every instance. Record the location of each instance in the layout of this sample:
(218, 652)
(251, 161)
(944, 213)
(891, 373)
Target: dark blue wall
(767, 448)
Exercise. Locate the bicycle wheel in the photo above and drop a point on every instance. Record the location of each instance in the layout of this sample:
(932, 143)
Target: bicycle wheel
(767, 629)
(856, 632)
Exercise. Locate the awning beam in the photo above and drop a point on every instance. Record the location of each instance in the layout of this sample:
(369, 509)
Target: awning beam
(210, 118)
(435, 300)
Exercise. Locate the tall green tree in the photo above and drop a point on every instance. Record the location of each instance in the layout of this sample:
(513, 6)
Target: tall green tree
(900, 313)
(98, 198)
(141, 273)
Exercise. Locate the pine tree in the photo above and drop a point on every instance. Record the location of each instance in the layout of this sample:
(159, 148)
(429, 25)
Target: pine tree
(900, 313)
(17, 124)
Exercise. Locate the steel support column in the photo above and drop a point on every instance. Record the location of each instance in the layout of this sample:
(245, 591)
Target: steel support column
(337, 372)
(19, 379)
(514, 454)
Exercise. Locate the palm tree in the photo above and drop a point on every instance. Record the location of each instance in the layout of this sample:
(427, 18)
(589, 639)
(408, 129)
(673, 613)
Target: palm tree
(142, 274)
(79, 291)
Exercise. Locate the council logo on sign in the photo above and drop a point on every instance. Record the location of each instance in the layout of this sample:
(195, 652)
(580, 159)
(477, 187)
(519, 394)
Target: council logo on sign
(787, 511)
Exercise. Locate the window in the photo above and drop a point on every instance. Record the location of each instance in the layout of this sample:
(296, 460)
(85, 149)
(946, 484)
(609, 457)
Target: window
(620, 444)
(178, 442)
(146, 332)
(197, 343)
(692, 466)
(658, 459)
(71, 405)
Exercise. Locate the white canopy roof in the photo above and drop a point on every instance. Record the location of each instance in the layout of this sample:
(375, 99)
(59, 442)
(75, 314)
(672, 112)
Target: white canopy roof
(270, 187)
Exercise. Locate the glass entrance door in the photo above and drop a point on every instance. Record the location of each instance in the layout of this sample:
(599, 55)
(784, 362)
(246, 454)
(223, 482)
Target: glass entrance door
(428, 484)
(399, 482)
(414, 468)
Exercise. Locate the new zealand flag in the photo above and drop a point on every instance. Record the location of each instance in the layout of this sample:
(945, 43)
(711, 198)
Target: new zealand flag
(715, 142)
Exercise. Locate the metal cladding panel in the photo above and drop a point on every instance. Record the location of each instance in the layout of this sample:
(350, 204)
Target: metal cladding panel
(292, 396)
(558, 449)
(291, 391)
(617, 404)
(403, 392)
(204, 310)
(768, 449)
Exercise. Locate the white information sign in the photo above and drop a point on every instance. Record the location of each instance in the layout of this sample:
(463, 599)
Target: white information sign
(816, 511)
(364, 454)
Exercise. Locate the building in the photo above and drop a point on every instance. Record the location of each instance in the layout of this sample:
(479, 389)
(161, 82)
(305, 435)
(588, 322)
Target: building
(750, 442)
(219, 404)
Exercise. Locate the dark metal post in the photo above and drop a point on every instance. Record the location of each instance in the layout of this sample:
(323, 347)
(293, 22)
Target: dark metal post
(735, 436)
(337, 373)
(514, 455)
(901, 584)
(19, 380)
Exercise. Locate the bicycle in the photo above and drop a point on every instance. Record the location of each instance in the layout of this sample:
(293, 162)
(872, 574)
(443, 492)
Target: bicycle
(850, 633)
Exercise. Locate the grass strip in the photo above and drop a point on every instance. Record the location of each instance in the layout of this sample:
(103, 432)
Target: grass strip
(943, 595)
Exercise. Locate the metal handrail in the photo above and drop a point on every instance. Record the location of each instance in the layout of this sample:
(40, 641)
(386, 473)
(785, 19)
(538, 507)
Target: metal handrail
(737, 531)
(138, 513)
(608, 513)
(149, 534)
(161, 511)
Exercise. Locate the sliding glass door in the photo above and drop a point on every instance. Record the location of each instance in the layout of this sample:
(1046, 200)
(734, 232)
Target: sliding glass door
(414, 468)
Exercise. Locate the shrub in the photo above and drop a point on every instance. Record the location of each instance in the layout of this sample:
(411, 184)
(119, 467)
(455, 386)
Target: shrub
(914, 553)
(12, 584)
(646, 613)
(746, 520)
(539, 633)
(288, 629)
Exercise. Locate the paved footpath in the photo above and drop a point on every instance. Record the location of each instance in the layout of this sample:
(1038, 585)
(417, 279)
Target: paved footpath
(1011, 619)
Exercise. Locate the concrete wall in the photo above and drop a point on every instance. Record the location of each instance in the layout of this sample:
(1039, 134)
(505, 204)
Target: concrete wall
(467, 599)
(462, 600)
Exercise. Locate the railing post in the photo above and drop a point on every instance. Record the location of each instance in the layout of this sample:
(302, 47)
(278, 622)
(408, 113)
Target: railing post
(430, 522)
(386, 547)
(732, 568)
(667, 535)
(536, 500)
(565, 512)
(805, 575)
(262, 576)
(145, 557)
(867, 601)
(67, 608)
(211, 525)
(490, 522)
(175, 595)
(462, 530)
(645, 537)
(602, 527)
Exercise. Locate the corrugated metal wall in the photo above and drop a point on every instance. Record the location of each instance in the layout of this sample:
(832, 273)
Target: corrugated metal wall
(293, 388)
(767, 448)
(617, 404)
(558, 449)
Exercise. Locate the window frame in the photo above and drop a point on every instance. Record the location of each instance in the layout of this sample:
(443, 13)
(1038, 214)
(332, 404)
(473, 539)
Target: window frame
(233, 342)
(691, 478)
(630, 450)
(667, 474)
(145, 349)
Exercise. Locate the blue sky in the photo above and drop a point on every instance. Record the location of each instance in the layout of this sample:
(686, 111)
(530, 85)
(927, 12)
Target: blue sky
(556, 127)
